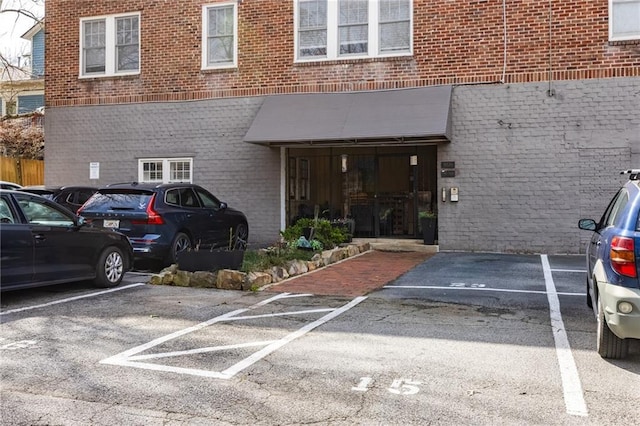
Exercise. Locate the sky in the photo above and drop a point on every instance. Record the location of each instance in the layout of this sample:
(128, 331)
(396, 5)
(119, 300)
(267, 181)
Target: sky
(13, 25)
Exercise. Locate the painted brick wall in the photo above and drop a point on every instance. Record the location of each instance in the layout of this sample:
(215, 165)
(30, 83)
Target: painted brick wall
(245, 176)
(530, 165)
(454, 42)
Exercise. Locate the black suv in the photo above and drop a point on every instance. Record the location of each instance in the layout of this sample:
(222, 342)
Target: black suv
(72, 197)
(164, 219)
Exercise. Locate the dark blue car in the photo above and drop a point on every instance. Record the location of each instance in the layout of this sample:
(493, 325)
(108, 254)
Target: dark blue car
(162, 220)
(613, 264)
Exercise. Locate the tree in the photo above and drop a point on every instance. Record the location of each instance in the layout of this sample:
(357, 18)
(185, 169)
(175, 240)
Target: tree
(19, 136)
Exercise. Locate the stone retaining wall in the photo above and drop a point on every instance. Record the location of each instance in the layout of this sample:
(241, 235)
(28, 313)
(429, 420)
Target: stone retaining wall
(228, 279)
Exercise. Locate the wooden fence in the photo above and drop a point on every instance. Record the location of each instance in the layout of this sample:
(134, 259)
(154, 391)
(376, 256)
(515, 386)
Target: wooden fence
(22, 171)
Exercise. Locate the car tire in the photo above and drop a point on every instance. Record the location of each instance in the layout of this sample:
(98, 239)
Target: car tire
(110, 268)
(240, 237)
(609, 345)
(589, 300)
(180, 243)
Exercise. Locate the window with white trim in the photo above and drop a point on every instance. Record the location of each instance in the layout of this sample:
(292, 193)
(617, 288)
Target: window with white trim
(165, 170)
(219, 35)
(334, 29)
(110, 45)
(624, 20)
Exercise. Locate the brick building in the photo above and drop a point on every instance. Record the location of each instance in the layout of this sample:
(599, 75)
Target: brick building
(369, 109)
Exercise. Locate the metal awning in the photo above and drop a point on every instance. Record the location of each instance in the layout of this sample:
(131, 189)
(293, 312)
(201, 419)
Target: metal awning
(389, 117)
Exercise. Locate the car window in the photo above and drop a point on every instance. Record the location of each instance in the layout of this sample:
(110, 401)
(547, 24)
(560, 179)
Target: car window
(5, 212)
(172, 197)
(617, 208)
(188, 198)
(208, 200)
(118, 200)
(43, 214)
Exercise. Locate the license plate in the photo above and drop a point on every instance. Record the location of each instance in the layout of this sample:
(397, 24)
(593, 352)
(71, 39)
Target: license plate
(111, 223)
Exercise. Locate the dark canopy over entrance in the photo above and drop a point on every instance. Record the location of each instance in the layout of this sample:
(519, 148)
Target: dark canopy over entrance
(389, 117)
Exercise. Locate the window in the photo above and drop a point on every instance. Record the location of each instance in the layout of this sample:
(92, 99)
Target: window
(334, 29)
(219, 38)
(165, 170)
(110, 45)
(624, 20)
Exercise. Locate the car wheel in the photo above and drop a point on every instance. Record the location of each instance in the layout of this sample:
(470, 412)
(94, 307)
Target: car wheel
(241, 237)
(110, 268)
(181, 242)
(589, 300)
(609, 345)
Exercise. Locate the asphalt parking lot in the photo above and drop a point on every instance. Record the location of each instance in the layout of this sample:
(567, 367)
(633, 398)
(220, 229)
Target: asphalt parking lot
(462, 338)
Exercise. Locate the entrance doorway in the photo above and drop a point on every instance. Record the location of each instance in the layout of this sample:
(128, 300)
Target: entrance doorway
(382, 190)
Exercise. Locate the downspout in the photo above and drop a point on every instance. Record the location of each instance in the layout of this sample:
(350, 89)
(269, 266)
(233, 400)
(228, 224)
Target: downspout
(550, 91)
(504, 53)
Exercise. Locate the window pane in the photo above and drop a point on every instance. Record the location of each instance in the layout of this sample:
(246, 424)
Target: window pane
(353, 11)
(152, 171)
(94, 46)
(394, 10)
(353, 30)
(179, 171)
(353, 39)
(220, 35)
(220, 50)
(626, 19)
(127, 43)
(395, 26)
(394, 37)
(312, 35)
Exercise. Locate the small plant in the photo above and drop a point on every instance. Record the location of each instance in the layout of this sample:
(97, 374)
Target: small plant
(276, 255)
(427, 215)
(327, 235)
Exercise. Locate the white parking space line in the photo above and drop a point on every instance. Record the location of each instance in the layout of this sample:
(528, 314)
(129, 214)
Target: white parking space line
(499, 290)
(580, 271)
(130, 358)
(572, 387)
(70, 299)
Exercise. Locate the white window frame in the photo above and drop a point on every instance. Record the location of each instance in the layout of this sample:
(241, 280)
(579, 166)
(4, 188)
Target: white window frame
(110, 46)
(614, 37)
(166, 169)
(333, 48)
(205, 31)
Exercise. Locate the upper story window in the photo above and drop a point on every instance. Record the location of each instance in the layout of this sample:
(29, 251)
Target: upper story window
(333, 29)
(165, 170)
(110, 45)
(219, 38)
(624, 20)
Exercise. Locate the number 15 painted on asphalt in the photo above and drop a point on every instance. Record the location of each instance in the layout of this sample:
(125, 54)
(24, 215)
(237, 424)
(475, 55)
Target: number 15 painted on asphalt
(398, 386)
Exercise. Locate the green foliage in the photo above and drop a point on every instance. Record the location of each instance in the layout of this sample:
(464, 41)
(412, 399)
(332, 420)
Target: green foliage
(262, 260)
(327, 235)
(427, 215)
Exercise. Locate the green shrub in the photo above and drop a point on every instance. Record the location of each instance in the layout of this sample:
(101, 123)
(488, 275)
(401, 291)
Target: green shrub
(328, 235)
(262, 260)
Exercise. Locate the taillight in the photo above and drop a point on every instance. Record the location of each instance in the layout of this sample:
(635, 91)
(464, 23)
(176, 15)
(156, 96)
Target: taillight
(623, 259)
(153, 217)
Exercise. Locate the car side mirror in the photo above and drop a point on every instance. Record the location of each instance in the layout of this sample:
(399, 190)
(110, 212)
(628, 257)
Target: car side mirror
(80, 221)
(587, 224)
(223, 206)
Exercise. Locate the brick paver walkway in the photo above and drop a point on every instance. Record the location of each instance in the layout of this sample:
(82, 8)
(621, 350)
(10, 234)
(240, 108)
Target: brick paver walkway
(355, 276)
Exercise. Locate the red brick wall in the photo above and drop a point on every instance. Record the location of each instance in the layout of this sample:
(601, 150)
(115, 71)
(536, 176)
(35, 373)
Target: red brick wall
(455, 41)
